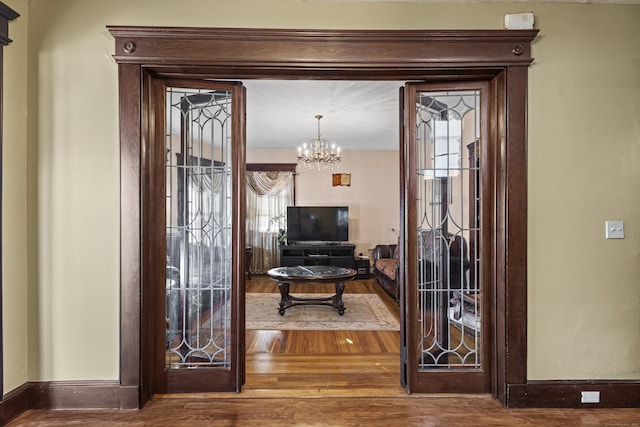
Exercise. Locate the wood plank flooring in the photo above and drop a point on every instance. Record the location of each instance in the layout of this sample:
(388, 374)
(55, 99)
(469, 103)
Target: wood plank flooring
(326, 378)
(323, 363)
(477, 411)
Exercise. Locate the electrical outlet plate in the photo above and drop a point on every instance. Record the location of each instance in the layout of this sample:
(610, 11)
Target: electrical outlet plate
(590, 397)
(614, 229)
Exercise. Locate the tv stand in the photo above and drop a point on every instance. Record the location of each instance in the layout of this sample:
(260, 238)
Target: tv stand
(337, 254)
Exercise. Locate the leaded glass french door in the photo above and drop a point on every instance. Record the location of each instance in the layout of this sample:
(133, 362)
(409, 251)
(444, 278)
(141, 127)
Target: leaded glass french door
(199, 318)
(447, 295)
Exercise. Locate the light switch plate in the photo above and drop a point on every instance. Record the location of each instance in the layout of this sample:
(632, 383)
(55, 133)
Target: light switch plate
(615, 230)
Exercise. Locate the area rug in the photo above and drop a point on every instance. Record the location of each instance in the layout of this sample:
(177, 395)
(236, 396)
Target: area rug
(365, 312)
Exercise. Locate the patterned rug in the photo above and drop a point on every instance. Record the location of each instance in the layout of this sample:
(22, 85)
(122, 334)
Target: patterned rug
(365, 312)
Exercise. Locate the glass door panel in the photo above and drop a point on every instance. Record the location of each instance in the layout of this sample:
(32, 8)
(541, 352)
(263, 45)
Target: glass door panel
(445, 295)
(201, 318)
(198, 229)
(449, 301)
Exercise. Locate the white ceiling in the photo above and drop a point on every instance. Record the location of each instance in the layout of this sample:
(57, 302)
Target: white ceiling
(356, 114)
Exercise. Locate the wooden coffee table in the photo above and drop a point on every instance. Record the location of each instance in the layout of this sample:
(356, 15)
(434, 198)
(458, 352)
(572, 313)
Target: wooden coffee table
(311, 274)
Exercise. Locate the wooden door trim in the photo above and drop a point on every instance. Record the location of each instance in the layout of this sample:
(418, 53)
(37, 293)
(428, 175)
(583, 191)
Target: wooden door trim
(132, 371)
(500, 56)
(515, 220)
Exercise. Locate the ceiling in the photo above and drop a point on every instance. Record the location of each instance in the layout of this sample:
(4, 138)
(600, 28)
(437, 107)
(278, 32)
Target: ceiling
(357, 115)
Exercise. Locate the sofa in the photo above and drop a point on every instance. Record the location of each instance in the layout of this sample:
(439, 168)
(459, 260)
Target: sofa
(385, 268)
(386, 260)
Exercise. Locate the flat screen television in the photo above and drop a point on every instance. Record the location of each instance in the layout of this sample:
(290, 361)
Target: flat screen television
(317, 224)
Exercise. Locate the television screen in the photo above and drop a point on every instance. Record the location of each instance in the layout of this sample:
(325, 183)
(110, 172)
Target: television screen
(317, 223)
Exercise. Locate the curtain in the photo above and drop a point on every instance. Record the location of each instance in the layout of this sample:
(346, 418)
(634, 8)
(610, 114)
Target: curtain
(268, 195)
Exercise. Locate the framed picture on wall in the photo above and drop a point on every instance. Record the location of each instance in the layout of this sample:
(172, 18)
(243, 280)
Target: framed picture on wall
(341, 179)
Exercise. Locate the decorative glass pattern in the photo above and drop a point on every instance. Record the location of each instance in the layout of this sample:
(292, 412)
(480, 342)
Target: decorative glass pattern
(449, 292)
(198, 228)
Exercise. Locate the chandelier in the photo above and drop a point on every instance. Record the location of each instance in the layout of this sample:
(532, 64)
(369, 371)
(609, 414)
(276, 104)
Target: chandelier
(317, 154)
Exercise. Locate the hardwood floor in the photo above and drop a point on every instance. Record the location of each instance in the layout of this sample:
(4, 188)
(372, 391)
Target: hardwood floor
(323, 363)
(205, 410)
(326, 378)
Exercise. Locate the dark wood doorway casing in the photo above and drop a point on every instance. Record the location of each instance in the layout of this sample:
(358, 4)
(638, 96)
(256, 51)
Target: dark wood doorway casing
(500, 57)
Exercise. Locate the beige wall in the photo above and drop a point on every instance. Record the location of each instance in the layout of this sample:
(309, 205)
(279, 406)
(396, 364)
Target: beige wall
(372, 197)
(15, 267)
(584, 168)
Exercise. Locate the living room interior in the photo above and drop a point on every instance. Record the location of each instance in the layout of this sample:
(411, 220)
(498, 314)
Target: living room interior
(363, 138)
(376, 140)
(282, 232)
(361, 118)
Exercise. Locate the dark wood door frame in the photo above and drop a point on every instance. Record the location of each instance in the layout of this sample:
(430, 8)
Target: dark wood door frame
(502, 57)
